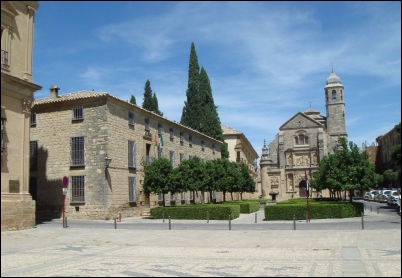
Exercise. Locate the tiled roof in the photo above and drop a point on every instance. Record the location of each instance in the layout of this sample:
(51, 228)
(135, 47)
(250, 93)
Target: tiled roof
(310, 110)
(229, 130)
(70, 96)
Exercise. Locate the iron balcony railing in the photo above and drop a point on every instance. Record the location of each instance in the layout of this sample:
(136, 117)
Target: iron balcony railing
(4, 59)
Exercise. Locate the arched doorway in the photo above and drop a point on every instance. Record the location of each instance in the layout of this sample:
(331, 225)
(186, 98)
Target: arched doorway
(303, 189)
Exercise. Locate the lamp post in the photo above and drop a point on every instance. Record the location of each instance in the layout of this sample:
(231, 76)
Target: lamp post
(107, 163)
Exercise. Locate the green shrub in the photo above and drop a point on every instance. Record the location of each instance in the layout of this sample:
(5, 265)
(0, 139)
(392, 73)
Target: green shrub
(318, 210)
(197, 212)
(246, 206)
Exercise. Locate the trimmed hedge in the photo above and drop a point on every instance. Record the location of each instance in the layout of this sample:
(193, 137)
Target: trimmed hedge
(318, 210)
(197, 212)
(246, 206)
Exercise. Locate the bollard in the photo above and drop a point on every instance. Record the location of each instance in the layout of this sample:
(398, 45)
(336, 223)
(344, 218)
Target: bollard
(306, 217)
(207, 216)
(294, 222)
(378, 210)
(230, 224)
(66, 222)
(362, 221)
(163, 216)
(255, 218)
(119, 217)
(371, 208)
(170, 225)
(115, 223)
(364, 206)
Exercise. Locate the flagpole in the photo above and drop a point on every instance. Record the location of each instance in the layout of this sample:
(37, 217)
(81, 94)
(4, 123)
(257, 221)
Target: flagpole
(308, 205)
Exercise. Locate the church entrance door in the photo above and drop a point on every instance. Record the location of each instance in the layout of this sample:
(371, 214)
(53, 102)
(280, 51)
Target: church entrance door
(303, 189)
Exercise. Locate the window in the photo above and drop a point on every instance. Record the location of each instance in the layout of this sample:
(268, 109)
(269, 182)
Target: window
(160, 129)
(160, 197)
(160, 152)
(77, 189)
(190, 140)
(190, 156)
(341, 95)
(77, 151)
(33, 155)
(171, 134)
(301, 139)
(130, 118)
(131, 189)
(181, 138)
(213, 148)
(172, 197)
(202, 145)
(183, 196)
(78, 113)
(171, 157)
(214, 194)
(146, 124)
(181, 157)
(333, 95)
(132, 162)
(191, 195)
(3, 133)
(33, 118)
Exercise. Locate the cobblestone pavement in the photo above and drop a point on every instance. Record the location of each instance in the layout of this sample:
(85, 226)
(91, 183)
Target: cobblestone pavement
(321, 248)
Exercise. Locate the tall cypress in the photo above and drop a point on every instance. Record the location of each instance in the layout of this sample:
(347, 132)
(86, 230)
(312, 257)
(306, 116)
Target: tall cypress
(191, 113)
(132, 100)
(148, 101)
(155, 105)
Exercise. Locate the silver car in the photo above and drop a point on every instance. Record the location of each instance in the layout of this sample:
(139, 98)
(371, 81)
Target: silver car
(384, 196)
(394, 200)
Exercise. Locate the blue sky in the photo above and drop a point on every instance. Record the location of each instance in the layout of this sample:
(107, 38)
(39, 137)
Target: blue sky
(266, 61)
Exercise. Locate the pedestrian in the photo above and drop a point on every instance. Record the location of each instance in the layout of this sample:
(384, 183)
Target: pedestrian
(398, 210)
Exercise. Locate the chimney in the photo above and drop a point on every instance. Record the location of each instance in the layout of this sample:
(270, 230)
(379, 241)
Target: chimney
(54, 91)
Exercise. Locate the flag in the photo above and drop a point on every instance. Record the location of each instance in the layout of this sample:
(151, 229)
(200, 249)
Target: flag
(160, 140)
(156, 140)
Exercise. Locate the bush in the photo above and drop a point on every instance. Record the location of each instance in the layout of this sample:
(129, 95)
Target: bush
(197, 212)
(246, 206)
(318, 210)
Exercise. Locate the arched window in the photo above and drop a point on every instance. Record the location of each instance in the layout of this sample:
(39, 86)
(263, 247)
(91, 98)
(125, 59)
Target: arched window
(301, 139)
(333, 95)
(341, 95)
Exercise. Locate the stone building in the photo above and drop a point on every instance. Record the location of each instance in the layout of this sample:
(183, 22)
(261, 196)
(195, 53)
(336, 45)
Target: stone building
(385, 144)
(75, 135)
(240, 150)
(17, 89)
(301, 143)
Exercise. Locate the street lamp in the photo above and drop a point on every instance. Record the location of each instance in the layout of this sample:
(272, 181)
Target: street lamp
(107, 162)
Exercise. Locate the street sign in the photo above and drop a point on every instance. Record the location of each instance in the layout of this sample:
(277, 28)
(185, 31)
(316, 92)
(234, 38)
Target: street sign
(64, 191)
(65, 182)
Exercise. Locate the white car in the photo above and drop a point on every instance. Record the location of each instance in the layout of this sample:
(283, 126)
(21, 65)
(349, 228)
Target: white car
(393, 200)
(384, 196)
(372, 195)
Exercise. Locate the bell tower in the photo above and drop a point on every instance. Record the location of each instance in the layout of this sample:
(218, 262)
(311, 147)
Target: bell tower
(335, 107)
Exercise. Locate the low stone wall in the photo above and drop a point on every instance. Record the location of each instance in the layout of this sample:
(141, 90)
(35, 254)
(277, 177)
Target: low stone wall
(17, 212)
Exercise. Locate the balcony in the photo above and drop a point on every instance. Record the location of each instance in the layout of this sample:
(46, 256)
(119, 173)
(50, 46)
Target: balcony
(4, 59)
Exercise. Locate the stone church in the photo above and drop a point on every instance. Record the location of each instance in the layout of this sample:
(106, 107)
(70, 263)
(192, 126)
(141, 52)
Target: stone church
(301, 143)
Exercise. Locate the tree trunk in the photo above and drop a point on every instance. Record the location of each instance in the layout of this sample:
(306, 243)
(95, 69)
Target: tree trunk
(224, 196)
(163, 199)
(202, 197)
(231, 195)
(210, 197)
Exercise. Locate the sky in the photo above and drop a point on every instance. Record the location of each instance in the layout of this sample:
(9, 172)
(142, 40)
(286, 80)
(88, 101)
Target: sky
(266, 61)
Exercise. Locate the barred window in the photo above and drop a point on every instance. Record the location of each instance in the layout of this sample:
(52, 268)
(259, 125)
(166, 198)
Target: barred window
(3, 133)
(181, 157)
(301, 140)
(131, 189)
(77, 151)
(190, 140)
(202, 145)
(33, 155)
(171, 157)
(130, 118)
(132, 162)
(77, 189)
(171, 134)
(147, 124)
(33, 118)
(159, 129)
(160, 197)
(183, 196)
(213, 148)
(181, 138)
(78, 113)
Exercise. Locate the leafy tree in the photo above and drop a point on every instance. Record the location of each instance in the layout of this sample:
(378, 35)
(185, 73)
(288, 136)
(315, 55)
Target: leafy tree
(247, 183)
(155, 105)
(396, 150)
(148, 102)
(389, 176)
(346, 169)
(157, 177)
(132, 100)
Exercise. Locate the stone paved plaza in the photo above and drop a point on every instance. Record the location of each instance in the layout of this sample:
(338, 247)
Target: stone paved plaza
(197, 248)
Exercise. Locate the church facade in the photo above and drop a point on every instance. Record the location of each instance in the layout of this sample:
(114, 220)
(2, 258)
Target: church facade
(294, 155)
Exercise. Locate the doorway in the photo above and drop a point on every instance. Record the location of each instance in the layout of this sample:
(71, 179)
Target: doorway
(303, 189)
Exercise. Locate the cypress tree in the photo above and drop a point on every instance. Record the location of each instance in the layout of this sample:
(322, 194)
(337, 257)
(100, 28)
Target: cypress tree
(191, 113)
(148, 100)
(155, 105)
(132, 100)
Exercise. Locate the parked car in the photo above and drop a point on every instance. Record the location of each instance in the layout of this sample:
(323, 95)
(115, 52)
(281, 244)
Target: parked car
(367, 195)
(394, 198)
(372, 195)
(384, 196)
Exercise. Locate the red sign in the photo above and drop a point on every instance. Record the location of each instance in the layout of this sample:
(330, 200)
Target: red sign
(65, 182)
